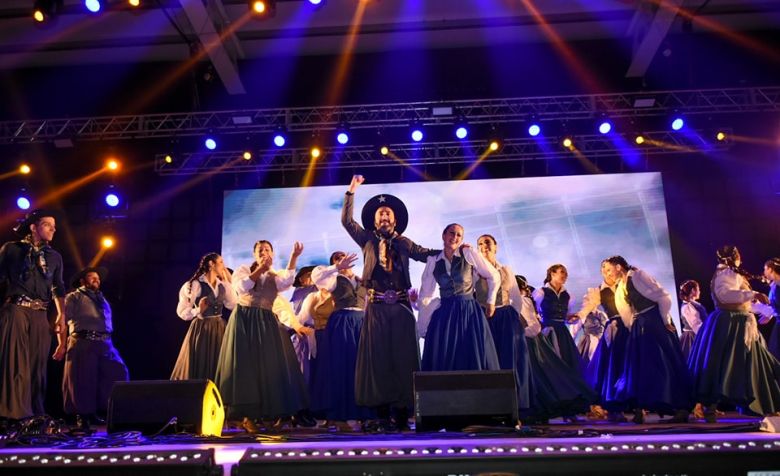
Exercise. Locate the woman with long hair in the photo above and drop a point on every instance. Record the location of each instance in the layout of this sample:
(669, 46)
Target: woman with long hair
(692, 315)
(201, 301)
(772, 274)
(729, 360)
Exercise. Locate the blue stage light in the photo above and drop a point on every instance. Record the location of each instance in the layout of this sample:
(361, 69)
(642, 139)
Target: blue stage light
(605, 127)
(210, 143)
(417, 135)
(23, 203)
(315, 2)
(461, 132)
(93, 6)
(112, 199)
(342, 138)
(534, 130)
(678, 123)
(279, 140)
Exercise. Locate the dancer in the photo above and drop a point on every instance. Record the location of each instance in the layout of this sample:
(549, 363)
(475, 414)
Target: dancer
(556, 308)
(506, 325)
(388, 352)
(772, 274)
(92, 363)
(32, 271)
(201, 301)
(692, 315)
(257, 371)
(457, 335)
(655, 377)
(337, 345)
(729, 360)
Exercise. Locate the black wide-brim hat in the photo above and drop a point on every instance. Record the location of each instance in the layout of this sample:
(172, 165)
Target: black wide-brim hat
(75, 281)
(23, 227)
(385, 200)
(299, 276)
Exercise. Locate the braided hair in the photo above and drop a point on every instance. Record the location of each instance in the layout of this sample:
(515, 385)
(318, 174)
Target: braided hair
(203, 267)
(687, 288)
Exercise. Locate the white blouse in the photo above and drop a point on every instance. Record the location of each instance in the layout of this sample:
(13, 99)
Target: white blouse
(242, 283)
(647, 287)
(188, 308)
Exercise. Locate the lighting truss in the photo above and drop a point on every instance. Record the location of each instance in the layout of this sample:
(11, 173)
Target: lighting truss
(429, 153)
(392, 115)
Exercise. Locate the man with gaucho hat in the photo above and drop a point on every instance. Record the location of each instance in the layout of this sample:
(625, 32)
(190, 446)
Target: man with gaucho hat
(92, 364)
(32, 273)
(388, 353)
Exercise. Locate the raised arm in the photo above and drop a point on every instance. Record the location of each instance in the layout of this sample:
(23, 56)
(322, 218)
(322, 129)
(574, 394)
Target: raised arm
(360, 235)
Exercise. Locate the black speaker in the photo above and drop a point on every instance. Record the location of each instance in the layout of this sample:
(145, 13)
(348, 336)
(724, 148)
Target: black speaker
(454, 400)
(148, 405)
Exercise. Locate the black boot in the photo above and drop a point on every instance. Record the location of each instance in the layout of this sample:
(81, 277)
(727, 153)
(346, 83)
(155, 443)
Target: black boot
(401, 418)
(303, 418)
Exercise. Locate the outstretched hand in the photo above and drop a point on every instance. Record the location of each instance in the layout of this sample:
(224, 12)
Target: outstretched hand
(346, 262)
(297, 248)
(356, 181)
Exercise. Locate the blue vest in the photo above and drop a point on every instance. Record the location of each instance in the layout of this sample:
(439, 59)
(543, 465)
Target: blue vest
(459, 282)
(554, 307)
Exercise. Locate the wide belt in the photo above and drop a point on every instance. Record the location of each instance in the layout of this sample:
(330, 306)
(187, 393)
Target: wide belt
(390, 296)
(91, 335)
(34, 304)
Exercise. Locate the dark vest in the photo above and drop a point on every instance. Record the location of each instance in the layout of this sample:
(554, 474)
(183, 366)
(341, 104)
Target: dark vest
(344, 294)
(459, 282)
(216, 303)
(554, 307)
(635, 299)
(381, 280)
(261, 295)
(502, 297)
(608, 302)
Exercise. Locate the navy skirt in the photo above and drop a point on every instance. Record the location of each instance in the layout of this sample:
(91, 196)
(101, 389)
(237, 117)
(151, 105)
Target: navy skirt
(656, 377)
(562, 340)
(686, 342)
(333, 392)
(512, 350)
(459, 338)
(726, 371)
(608, 363)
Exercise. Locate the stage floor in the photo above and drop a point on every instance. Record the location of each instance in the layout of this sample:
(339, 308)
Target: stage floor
(557, 439)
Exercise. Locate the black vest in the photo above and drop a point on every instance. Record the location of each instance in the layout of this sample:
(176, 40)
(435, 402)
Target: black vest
(459, 281)
(635, 299)
(608, 302)
(216, 303)
(344, 294)
(554, 307)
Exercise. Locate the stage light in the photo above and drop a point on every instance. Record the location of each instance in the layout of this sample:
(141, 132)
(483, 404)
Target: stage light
(384, 150)
(639, 140)
(316, 152)
(568, 143)
(168, 159)
(461, 132)
(494, 145)
(107, 242)
(342, 137)
(134, 3)
(25, 169)
(44, 10)
(280, 139)
(605, 127)
(23, 202)
(38, 16)
(721, 136)
(247, 155)
(262, 8)
(112, 164)
(678, 123)
(210, 143)
(534, 130)
(417, 134)
(316, 3)
(93, 6)
(112, 199)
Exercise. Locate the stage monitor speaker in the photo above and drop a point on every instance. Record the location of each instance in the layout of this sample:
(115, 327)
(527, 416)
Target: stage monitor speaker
(148, 405)
(455, 400)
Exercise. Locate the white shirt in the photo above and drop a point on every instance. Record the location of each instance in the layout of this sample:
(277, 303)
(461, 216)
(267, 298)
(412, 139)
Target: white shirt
(242, 283)
(325, 277)
(531, 317)
(691, 315)
(730, 287)
(648, 287)
(189, 294)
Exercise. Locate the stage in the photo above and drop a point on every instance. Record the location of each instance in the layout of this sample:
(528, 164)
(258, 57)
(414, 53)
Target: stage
(734, 445)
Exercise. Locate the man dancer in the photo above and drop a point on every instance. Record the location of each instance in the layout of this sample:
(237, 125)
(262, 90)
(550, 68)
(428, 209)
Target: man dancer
(32, 271)
(92, 364)
(388, 352)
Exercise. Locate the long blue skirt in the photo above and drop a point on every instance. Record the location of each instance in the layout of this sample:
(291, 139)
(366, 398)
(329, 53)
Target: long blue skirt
(258, 373)
(333, 392)
(686, 343)
(656, 377)
(564, 342)
(512, 350)
(608, 363)
(458, 338)
(726, 371)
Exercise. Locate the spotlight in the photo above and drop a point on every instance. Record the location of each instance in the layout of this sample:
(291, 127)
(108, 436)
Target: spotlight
(112, 199)
(280, 139)
(639, 140)
(721, 136)
(25, 169)
(247, 155)
(417, 134)
(94, 6)
(44, 10)
(107, 242)
(112, 164)
(567, 142)
(534, 130)
(210, 143)
(494, 145)
(262, 8)
(316, 3)
(384, 150)
(23, 202)
(461, 132)
(134, 3)
(342, 137)
(678, 123)
(605, 127)
(168, 159)
(316, 152)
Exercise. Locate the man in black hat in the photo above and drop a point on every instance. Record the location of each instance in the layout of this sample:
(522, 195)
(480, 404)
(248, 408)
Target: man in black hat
(92, 364)
(32, 272)
(388, 353)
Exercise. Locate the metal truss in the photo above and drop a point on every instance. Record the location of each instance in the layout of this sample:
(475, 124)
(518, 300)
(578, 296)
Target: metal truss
(436, 153)
(379, 116)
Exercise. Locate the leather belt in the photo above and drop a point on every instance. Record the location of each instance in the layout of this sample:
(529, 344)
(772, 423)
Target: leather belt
(91, 335)
(390, 296)
(34, 304)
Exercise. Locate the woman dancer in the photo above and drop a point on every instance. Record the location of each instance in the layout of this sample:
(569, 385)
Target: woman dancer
(555, 306)
(729, 360)
(655, 377)
(258, 374)
(692, 315)
(201, 300)
(506, 325)
(458, 336)
(772, 274)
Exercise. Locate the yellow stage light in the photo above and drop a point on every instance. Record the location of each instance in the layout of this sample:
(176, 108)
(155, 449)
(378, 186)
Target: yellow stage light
(112, 164)
(25, 169)
(494, 145)
(168, 159)
(567, 142)
(384, 150)
(247, 155)
(107, 242)
(640, 140)
(39, 16)
(316, 152)
(721, 136)
(259, 6)
(134, 3)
